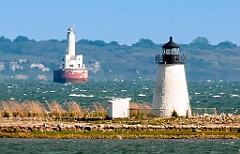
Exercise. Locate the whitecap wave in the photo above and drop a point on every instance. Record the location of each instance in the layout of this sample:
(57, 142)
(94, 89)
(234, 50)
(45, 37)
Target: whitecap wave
(216, 96)
(80, 95)
(83, 90)
(234, 95)
(145, 87)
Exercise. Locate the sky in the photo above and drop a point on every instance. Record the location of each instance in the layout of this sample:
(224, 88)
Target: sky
(124, 21)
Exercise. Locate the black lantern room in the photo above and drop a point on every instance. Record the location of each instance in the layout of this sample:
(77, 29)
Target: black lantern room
(170, 54)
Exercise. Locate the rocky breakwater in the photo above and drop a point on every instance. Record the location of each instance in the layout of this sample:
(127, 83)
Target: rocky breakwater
(17, 128)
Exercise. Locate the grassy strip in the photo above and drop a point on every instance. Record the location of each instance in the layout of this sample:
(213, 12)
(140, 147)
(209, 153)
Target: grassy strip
(125, 134)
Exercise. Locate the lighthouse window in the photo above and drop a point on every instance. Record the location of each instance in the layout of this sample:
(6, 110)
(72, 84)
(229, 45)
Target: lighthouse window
(168, 51)
(174, 51)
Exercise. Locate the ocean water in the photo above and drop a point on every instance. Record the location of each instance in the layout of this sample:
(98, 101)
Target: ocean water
(111, 146)
(223, 95)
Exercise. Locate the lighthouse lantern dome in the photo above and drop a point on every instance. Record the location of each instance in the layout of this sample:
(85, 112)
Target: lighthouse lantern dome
(170, 53)
(170, 44)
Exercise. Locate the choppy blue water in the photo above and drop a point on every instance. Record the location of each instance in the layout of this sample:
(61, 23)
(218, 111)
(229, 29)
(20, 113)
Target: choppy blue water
(78, 146)
(223, 95)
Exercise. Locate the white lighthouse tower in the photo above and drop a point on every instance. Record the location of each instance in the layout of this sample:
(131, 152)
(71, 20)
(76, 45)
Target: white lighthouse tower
(71, 60)
(171, 92)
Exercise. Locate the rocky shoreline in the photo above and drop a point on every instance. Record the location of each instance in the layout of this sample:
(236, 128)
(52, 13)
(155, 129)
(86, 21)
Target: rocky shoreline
(43, 128)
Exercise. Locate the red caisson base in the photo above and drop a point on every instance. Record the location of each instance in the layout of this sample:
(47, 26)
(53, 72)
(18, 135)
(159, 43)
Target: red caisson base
(70, 75)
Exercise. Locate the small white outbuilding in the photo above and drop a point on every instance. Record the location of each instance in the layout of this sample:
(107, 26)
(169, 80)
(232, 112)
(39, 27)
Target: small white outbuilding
(118, 108)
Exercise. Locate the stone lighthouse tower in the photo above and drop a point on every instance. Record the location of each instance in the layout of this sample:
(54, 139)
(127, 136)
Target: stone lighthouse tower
(171, 92)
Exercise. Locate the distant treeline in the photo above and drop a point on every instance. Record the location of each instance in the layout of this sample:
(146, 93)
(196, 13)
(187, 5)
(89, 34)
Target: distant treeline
(115, 61)
(198, 42)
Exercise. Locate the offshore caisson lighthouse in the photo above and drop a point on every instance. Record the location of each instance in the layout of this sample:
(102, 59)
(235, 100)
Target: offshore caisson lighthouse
(71, 68)
(171, 92)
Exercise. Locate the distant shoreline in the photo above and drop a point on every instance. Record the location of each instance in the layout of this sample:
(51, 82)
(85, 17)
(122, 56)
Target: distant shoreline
(178, 128)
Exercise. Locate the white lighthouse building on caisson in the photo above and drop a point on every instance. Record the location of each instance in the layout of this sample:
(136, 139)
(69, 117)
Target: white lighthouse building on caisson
(171, 92)
(71, 68)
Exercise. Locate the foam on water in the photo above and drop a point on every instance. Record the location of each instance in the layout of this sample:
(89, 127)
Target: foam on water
(234, 95)
(216, 96)
(83, 90)
(80, 95)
